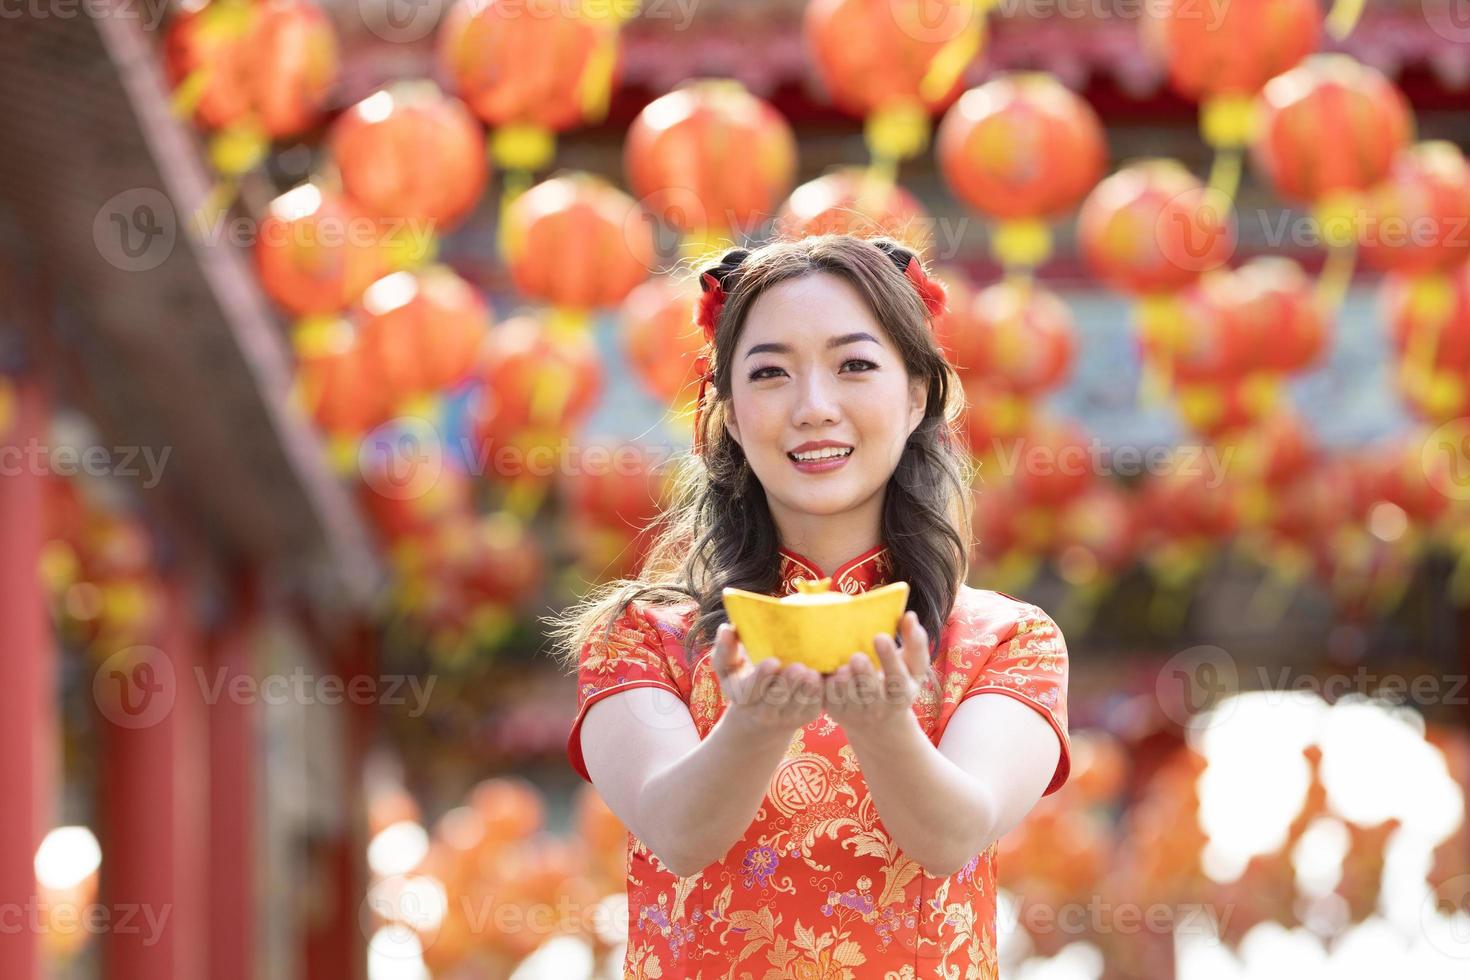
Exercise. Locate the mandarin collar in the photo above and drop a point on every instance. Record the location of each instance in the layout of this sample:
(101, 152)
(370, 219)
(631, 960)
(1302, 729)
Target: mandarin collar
(868, 570)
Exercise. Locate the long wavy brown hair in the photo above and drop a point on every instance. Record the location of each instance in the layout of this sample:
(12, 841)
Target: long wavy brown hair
(718, 532)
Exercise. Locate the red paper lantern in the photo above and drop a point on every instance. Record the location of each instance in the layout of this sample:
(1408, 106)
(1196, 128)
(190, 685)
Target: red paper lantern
(1329, 126)
(336, 381)
(538, 386)
(710, 157)
(1213, 408)
(1184, 500)
(1279, 301)
(871, 56)
(1398, 473)
(1418, 219)
(577, 241)
(614, 497)
(405, 517)
(1261, 317)
(1152, 227)
(1301, 511)
(526, 61)
(1050, 463)
(1028, 338)
(993, 418)
(422, 330)
(1097, 534)
(268, 64)
(1021, 146)
(854, 201)
(1237, 48)
(954, 329)
(661, 339)
(318, 250)
(1428, 319)
(412, 153)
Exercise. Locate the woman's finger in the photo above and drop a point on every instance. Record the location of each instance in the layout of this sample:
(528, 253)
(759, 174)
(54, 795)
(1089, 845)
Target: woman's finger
(915, 646)
(893, 665)
(724, 657)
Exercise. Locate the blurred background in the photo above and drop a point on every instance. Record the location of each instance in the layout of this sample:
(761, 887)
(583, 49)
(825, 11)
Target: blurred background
(342, 341)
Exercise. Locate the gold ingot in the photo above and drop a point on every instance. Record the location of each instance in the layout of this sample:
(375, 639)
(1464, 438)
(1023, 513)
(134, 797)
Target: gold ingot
(815, 625)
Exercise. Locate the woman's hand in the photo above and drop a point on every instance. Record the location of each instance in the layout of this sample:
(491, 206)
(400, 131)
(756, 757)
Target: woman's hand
(864, 700)
(765, 696)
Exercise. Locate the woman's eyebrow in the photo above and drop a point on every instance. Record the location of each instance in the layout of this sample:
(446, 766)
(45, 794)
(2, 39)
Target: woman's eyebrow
(847, 338)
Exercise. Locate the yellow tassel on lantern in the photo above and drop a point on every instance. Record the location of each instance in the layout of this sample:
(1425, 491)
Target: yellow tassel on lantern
(595, 87)
(898, 131)
(1343, 17)
(1021, 243)
(950, 61)
(522, 146)
(1431, 300)
(238, 149)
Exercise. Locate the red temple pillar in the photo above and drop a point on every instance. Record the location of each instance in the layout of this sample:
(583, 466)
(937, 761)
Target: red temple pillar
(154, 801)
(28, 734)
(233, 750)
(336, 941)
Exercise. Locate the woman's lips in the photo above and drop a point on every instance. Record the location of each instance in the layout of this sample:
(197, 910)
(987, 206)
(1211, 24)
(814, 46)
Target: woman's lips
(821, 465)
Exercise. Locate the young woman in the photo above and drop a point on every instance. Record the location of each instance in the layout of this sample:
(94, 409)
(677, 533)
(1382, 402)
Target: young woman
(784, 823)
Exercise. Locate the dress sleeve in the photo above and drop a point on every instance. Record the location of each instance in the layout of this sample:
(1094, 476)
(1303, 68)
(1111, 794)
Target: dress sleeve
(1031, 666)
(632, 655)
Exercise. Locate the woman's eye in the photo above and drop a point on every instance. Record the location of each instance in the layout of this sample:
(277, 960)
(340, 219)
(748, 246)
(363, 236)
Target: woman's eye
(865, 365)
(759, 374)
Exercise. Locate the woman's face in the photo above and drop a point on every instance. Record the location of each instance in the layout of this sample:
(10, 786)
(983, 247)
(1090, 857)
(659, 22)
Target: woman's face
(814, 371)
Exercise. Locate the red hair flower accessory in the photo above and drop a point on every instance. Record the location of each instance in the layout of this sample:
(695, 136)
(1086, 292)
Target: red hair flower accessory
(707, 315)
(931, 291)
(710, 304)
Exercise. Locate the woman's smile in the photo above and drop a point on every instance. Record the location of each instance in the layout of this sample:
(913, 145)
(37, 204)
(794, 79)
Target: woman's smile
(820, 457)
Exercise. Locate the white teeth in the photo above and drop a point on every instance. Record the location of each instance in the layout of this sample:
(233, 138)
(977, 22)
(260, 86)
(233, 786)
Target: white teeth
(831, 452)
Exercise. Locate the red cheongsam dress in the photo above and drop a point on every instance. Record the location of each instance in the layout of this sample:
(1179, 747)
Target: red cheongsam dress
(816, 889)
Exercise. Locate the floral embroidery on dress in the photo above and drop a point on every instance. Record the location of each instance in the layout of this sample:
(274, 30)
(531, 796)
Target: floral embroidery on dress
(817, 889)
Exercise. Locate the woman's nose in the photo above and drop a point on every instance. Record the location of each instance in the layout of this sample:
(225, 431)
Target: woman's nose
(816, 402)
